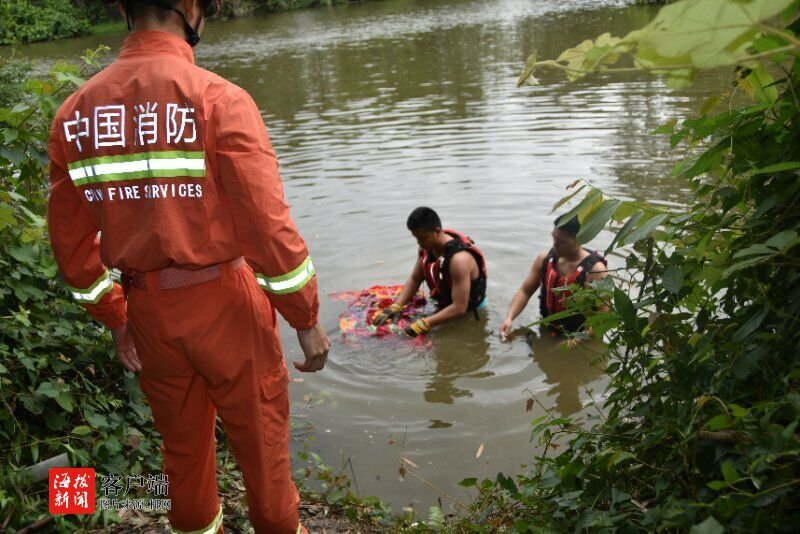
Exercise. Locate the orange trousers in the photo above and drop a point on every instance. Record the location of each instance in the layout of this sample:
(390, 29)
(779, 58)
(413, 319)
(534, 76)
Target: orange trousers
(214, 348)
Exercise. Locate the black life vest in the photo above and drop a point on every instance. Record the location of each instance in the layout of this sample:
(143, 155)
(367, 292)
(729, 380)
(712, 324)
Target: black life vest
(551, 301)
(437, 271)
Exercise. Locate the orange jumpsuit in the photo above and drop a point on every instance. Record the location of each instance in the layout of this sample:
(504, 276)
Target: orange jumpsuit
(157, 163)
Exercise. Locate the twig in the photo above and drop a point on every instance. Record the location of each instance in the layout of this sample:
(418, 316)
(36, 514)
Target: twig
(724, 436)
(352, 472)
(33, 527)
(442, 493)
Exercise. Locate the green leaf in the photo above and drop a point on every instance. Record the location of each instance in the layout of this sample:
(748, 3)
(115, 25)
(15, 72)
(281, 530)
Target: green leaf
(729, 472)
(47, 389)
(746, 263)
(97, 420)
(759, 249)
(737, 411)
(779, 167)
(589, 200)
(703, 33)
(66, 402)
(761, 85)
(468, 482)
(625, 210)
(596, 221)
(624, 306)
(708, 159)
(783, 241)
(719, 422)
(626, 229)
(567, 198)
(6, 216)
(25, 254)
(69, 77)
(507, 483)
(750, 326)
(672, 279)
(10, 134)
(81, 430)
(526, 76)
(645, 229)
(436, 517)
(618, 457)
(15, 156)
(709, 526)
(337, 495)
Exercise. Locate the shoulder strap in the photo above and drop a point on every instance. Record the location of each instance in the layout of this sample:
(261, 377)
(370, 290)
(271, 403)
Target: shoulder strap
(588, 262)
(551, 255)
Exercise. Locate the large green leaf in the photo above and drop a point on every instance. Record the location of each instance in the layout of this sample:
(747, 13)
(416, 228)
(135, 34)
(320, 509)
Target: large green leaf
(596, 221)
(703, 33)
(626, 229)
(751, 325)
(645, 229)
(592, 198)
(625, 308)
(672, 279)
(708, 526)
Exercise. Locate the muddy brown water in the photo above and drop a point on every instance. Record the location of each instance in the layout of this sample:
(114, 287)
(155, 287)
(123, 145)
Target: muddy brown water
(379, 107)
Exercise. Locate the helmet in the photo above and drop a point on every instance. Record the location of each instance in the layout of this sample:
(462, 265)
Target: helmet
(210, 8)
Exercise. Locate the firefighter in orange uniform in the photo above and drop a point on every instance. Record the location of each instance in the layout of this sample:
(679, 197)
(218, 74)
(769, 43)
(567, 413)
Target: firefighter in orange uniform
(164, 171)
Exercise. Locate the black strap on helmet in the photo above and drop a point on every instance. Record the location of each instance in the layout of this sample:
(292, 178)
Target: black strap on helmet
(210, 8)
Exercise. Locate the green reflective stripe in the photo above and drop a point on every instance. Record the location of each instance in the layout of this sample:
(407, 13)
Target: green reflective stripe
(299, 529)
(95, 292)
(164, 154)
(289, 282)
(151, 173)
(210, 529)
(163, 164)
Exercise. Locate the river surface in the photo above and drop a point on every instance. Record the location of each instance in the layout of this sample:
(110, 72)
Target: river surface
(377, 108)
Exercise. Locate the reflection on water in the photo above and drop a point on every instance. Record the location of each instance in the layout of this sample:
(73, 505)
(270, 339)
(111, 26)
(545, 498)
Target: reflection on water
(567, 371)
(376, 108)
(469, 337)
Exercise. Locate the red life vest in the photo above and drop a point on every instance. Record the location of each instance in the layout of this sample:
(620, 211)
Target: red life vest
(437, 271)
(551, 301)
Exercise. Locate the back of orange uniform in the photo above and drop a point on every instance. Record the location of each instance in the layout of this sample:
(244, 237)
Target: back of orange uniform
(158, 163)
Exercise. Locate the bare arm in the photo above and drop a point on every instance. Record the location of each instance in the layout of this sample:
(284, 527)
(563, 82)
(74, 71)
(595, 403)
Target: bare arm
(523, 294)
(412, 284)
(461, 265)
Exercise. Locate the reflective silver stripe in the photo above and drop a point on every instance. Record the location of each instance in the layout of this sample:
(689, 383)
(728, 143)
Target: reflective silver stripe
(289, 282)
(93, 293)
(210, 529)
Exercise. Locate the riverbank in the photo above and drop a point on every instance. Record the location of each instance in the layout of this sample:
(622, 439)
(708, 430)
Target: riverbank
(24, 21)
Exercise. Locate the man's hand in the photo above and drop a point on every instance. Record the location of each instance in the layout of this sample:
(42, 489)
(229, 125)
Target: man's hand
(315, 345)
(126, 350)
(385, 314)
(505, 329)
(420, 326)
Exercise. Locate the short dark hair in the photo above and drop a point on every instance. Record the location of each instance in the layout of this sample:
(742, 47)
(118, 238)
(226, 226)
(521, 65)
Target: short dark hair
(158, 9)
(572, 226)
(423, 218)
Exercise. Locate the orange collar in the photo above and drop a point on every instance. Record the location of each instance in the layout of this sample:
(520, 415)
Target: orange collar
(155, 42)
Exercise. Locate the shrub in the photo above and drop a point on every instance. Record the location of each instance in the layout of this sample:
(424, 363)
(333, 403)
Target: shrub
(25, 21)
